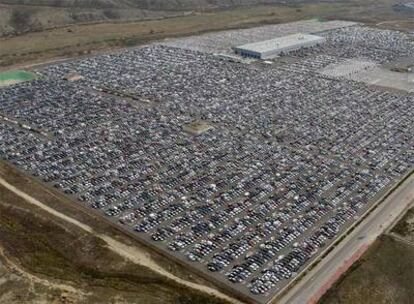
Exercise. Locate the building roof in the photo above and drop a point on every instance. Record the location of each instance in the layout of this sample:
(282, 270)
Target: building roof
(280, 43)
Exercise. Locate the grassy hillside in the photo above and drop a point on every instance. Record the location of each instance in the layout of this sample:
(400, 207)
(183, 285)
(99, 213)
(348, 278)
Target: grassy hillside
(19, 19)
(20, 16)
(153, 4)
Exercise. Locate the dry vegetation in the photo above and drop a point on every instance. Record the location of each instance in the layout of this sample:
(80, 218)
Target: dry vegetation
(20, 19)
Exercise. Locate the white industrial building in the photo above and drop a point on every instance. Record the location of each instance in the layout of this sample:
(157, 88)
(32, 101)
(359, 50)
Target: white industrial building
(271, 48)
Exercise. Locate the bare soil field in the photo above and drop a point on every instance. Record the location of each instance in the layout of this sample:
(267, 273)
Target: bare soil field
(82, 39)
(45, 258)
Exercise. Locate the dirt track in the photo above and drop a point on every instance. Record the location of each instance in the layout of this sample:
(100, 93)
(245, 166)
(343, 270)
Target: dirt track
(128, 252)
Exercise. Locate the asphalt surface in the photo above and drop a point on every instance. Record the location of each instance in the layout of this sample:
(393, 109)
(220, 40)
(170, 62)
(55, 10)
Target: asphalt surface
(315, 283)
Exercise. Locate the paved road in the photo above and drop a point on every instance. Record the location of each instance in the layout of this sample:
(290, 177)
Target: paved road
(312, 287)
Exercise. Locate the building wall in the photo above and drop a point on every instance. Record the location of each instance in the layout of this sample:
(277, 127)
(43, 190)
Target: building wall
(274, 52)
(248, 53)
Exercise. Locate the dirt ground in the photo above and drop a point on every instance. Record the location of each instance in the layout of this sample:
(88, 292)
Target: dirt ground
(78, 40)
(48, 257)
(384, 275)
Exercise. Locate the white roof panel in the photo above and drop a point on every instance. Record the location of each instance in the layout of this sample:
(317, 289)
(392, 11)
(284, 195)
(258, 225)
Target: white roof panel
(280, 43)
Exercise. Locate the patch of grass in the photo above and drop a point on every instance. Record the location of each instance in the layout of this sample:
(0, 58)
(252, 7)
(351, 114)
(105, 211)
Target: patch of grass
(15, 76)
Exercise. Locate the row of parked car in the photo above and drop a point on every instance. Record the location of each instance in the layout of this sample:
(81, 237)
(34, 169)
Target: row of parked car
(292, 158)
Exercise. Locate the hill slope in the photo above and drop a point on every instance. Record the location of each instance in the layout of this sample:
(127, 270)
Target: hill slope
(19, 16)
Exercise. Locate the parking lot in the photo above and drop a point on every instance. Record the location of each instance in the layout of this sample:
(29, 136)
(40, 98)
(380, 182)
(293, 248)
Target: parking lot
(290, 158)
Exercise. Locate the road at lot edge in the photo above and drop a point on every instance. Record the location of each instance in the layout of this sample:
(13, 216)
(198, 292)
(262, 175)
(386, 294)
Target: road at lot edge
(314, 284)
